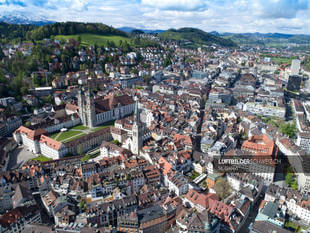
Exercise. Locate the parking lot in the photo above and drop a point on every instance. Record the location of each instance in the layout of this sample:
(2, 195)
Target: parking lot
(19, 156)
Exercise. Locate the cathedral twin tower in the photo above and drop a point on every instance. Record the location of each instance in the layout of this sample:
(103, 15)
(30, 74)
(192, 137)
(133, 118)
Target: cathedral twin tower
(87, 113)
(87, 108)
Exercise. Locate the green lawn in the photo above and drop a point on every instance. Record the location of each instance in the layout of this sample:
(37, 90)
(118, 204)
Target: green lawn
(71, 139)
(54, 135)
(67, 134)
(42, 158)
(80, 127)
(194, 175)
(282, 60)
(77, 132)
(88, 157)
(91, 39)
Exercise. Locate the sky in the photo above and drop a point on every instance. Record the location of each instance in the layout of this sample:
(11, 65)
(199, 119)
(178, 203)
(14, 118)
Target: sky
(284, 16)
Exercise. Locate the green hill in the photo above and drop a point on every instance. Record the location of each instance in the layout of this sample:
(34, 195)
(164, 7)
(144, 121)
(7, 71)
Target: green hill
(89, 33)
(267, 39)
(14, 31)
(72, 28)
(92, 39)
(195, 37)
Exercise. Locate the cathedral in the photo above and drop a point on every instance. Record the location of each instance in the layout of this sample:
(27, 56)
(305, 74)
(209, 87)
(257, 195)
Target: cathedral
(137, 133)
(94, 112)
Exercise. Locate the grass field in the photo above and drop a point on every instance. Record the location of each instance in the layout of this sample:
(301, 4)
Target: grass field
(68, 134)
(91, 39)
(88, 157)
(80, 127)
(77, 132)
(54, 135)
(42, 158)
(72, 138)
(282, 60)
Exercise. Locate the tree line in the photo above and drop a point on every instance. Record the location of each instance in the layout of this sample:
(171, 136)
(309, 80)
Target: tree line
(20, 32)
(72, 28)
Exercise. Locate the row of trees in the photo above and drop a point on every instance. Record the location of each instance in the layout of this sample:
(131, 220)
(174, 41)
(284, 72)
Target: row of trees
(71, 28)
(10, 32)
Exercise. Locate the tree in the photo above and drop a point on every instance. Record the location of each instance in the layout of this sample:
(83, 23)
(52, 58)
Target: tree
(289, 178)
(289, 129)
(222, 188)
(2, 78)
(294, 185)
(83, 205)
(116, 142)
(80, 150)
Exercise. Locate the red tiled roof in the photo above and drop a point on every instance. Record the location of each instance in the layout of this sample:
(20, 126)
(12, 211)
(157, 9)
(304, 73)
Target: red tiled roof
(50, 142)
(259, 144)
(31, 134)
(200, 198)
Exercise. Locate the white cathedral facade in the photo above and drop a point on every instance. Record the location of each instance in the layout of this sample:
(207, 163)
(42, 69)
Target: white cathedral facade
(94, 112)
(135, 142)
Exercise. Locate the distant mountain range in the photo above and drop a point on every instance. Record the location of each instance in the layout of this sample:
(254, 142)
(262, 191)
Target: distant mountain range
(130, 29)
(20, 18)
(269, 39)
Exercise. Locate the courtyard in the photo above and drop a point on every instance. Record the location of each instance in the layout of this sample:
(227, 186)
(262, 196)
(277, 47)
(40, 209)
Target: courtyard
(77, 132)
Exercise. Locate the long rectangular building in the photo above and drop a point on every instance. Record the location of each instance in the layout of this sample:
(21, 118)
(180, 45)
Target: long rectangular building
(38, 142)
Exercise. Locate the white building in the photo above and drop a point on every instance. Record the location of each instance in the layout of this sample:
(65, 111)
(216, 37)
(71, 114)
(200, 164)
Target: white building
(178, 184)
(52, 148)
(295, 67)
(95, 112)
(264, 109)
(108, 150)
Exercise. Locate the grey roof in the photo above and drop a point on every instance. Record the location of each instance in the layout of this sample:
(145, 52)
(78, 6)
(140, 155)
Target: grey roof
(266, 227)
(270, 209)
(149, 214)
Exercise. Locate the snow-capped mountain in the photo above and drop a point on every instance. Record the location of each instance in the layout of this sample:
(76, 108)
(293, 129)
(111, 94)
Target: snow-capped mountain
(24, 19)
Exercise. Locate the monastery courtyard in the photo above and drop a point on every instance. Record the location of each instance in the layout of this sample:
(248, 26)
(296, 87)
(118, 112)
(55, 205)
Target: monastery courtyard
(77, 132)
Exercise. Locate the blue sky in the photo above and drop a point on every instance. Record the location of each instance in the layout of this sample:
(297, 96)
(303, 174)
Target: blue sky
(286, 16)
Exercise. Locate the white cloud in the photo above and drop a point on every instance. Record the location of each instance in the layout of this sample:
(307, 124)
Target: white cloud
(180, 5)
(286, 16)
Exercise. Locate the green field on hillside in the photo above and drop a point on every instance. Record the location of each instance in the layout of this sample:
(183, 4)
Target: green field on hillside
(91, 39)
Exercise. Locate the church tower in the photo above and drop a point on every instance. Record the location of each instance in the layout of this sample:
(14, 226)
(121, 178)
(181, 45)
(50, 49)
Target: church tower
(136, 132)
(81, 102)
(87, 108)
(90, 109)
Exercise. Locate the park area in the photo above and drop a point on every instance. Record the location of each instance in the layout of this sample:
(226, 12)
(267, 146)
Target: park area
(77, 132)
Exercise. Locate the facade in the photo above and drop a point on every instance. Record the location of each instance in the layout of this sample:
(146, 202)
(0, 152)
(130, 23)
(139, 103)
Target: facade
(220, 95)
(178, 184)
(87, 109)
(136, 133)
(13, 123)
(38, 143)
(264, 109)
(89, 141)
(52, 148)
(292, 201)
(16, 219)
(95, 112)
(303, 140)
(201, 222)
(29, 138)
(108, 150)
